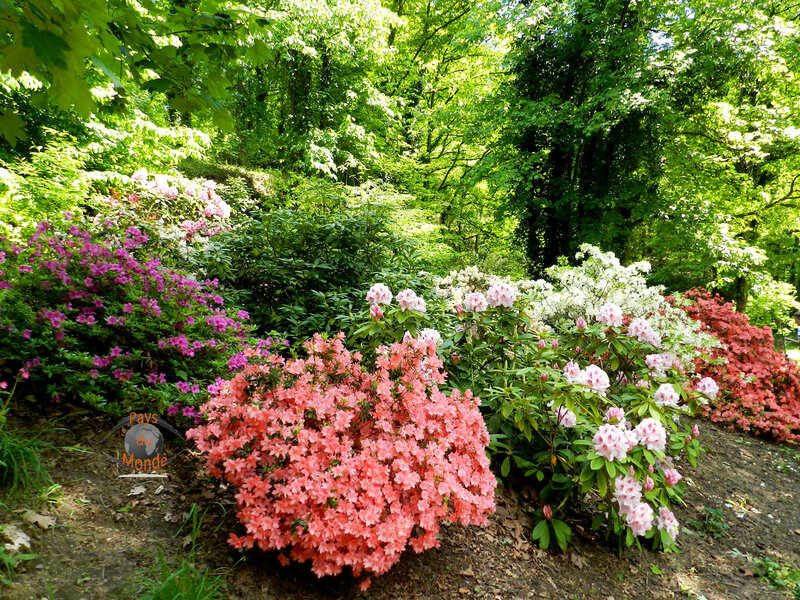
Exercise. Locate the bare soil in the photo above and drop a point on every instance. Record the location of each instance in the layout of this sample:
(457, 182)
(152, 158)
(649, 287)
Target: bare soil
(109, 529)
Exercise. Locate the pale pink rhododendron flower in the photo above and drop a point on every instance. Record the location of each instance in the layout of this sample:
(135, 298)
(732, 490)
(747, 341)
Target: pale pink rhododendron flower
(643, 331)
(640, 518)
(565, 418)
(595, 379)
(660, 362)
(672, 477)
(643, 383)
(140, 175)
(476, 302)
(666, 521)
(695, 431)
(430, 335)
(407, 299)
(615, 415)
(580, 323)
(501, 294)
(320, 479)
(708, 387)
(666, 395)
(651, 434)
(611, 443)
(379, 293)
(571, 372)
(627, 493)
(610, 315)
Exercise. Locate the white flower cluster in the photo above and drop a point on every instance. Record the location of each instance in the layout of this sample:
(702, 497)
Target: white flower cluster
(599, 280)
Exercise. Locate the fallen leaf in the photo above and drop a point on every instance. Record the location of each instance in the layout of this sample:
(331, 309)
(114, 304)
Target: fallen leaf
(463, 590)
(34, 518)
(139, 489)
(467, 572)
(577, 560)
(797, 531)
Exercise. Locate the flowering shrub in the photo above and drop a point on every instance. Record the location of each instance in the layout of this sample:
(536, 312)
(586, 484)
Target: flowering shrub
(343, 466)
(593, 408)
(576, 292)
(760, 386)
(88, 318)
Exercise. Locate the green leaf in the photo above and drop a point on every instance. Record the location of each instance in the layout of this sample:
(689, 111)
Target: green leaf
(505, 468)
(13, 127)
(50, 48)
(654, 568)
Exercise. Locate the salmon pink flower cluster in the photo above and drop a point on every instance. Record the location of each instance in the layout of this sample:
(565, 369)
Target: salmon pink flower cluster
(343, 465)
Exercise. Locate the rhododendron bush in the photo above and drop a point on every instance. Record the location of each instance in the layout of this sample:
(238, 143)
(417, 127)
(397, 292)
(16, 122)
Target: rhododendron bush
(88, 316)
(760, 386)
(343, 465)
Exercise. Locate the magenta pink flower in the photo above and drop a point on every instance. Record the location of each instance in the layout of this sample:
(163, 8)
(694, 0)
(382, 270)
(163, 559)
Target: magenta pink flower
(547, 512)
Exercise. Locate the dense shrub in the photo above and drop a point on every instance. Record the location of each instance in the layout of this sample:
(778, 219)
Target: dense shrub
(302, 271)
(761, 386)
(85, 316)
(345, 466)
(591, 408)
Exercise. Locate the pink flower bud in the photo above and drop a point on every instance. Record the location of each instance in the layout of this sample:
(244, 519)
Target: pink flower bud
(580, 323)
(695, 431)
(544, 376)
(547, 511)
(541, 344)
(648, 484)
(578, 349)
(459, 309)
(650, 468)
(554, 343)
(455, 358)
(631, 471)
(375, 312)
(688, 439)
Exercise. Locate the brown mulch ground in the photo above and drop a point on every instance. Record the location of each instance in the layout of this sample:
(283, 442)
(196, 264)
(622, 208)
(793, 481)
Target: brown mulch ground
(108, 529)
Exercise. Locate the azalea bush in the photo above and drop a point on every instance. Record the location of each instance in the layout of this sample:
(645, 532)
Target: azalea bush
(761, 386)
(89, 317)
(344, 464)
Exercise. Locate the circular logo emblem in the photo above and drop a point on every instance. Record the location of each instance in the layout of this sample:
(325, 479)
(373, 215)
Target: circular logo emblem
(143, 441)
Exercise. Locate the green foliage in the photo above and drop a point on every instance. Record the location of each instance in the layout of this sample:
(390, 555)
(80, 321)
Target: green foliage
(173, 48)
(712, 523)
(9, 563)
(773, 304)
(782, 576)
(302, 270)
(181, 581)
(20, 466)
